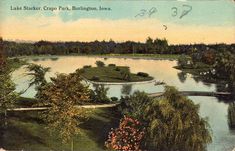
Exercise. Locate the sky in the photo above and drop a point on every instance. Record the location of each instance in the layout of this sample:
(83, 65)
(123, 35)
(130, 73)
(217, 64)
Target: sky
(179, 21)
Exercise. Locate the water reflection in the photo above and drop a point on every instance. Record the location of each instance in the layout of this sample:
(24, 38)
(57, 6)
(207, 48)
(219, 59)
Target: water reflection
(126, 89)
(231, 115)
(182, 76)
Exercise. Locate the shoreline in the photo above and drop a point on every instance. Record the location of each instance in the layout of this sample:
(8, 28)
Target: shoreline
(120, 56)
(118, 83)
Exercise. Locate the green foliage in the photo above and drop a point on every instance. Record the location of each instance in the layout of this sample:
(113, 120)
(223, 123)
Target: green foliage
(127, 137)
(95, 78)
(37, 72)
(100, 64)
(8, 96)
(109, 74)
(99, 94)
(135, 104)
(182, 61)
(142, 74)
(62, 95)
(112, 65)
(87, 66)
(172, 121)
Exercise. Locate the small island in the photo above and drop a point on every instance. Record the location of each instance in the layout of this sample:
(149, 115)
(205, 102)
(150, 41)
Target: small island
(112, 73)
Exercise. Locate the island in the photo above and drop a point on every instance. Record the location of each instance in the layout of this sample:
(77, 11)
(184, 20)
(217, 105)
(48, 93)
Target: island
(112, 74)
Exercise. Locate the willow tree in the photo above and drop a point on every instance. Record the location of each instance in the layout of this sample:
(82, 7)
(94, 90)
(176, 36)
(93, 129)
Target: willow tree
(173, 123)
(62, 95)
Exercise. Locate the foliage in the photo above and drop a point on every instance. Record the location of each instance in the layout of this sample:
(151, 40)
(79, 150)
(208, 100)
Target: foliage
(182, 61)
(62, 95)
(99, 94)
(112, 65)
(143, 74)
(174, 123)
(38, 73)
(109, 74)
(100, 64)
(87, 66)
(95, 78)
(135, 104)
(8, 96)
(127, 136)
(126, 75)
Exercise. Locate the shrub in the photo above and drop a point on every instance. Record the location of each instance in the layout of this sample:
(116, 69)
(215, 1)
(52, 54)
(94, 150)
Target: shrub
(182, 61)
(112, 65)
(87, 66)
(117, 69)
(100, 64)
(114, 99)
(95, 78)
(127, 136)
(142, 74)
(99, 94)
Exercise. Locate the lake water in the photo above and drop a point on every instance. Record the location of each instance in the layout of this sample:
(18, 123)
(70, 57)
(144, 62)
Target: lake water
(211, 107)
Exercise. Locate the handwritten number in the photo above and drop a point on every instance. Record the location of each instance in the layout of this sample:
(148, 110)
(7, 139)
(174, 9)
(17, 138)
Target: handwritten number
(175, 11)
(152, 11)
(142, 13)
(185, 12)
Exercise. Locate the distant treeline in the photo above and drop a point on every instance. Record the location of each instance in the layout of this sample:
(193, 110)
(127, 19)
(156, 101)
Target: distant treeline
(151, 46)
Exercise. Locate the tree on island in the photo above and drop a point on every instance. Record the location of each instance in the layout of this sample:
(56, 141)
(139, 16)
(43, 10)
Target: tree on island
(100, 64)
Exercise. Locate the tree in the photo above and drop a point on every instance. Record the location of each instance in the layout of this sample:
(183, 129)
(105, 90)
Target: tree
(62, 95)
(99, 94)
(135, 104)
(127, 137)
(173, 123)
(38, 73)
(126, 75)
(100, 64)
(7, 88)
(182, 61)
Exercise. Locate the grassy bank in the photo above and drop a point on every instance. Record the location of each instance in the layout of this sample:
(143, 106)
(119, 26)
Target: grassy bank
(26, 131)
(112, 74)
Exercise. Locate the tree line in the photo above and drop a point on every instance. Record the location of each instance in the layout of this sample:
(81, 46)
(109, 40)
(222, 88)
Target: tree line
(150, 46)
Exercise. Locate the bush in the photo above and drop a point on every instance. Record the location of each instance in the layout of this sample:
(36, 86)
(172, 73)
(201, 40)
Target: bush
(112, 65)
(87, 66)
(117, 69)
(95, 78)
(127, 136)
(100, 64)
(142, 74)
(114, 99)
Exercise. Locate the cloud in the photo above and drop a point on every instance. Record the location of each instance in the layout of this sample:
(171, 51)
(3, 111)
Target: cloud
(54, 29)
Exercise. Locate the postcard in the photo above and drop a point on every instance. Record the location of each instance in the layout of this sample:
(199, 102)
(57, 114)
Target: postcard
(120, 75)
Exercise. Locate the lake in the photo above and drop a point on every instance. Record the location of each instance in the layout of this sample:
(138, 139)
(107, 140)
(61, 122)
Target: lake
(162, 70)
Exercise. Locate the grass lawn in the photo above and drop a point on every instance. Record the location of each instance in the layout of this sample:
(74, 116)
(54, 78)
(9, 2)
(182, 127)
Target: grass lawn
(26, 132)
(110, 74)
